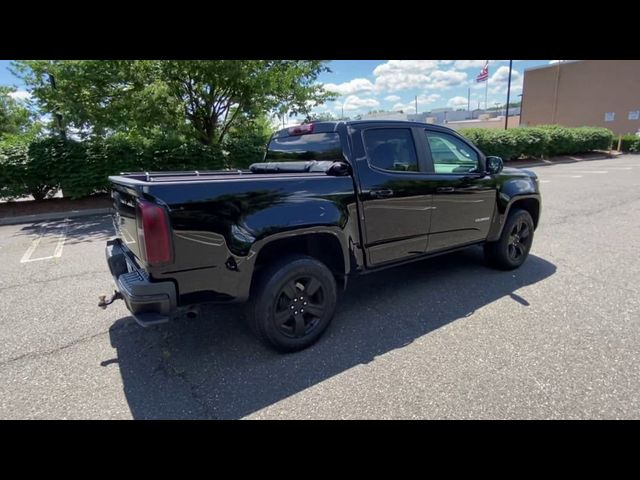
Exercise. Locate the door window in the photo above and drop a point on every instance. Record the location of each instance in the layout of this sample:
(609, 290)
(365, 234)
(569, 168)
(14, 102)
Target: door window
(451, 155)
(391, 149)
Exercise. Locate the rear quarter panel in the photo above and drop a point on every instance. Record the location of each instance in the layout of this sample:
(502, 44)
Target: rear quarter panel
(219, 227)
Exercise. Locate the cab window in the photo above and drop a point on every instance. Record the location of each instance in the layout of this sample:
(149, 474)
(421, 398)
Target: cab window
(391, 149)
(450, 154)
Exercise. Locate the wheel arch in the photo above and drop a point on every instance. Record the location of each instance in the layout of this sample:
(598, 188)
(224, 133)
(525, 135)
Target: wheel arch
(530, 203)
(325, 246)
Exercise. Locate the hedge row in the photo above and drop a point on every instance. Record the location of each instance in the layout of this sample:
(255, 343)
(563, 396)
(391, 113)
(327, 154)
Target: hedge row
(629, 143)
(43, 166)
(540, 141)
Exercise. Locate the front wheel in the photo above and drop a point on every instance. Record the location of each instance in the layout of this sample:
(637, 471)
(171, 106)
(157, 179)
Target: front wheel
(294, 302)
(512, 248)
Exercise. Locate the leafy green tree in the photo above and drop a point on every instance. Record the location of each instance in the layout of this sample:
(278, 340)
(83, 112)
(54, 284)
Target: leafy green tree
(15, 116)
(321, 117)
(247, 140)
(200, 99)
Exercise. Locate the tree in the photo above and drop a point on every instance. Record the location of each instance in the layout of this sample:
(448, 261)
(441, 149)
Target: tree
(198, 99)
(15, 116)
(320, 117)
(247, 140)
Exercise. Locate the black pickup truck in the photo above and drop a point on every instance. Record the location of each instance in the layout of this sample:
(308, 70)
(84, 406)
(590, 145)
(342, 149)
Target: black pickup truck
(330, 200)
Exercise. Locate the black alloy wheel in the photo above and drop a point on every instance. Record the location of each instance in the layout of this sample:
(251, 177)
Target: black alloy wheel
(299, 307)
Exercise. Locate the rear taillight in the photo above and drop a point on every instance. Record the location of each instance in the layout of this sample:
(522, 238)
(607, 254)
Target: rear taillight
(153, 233)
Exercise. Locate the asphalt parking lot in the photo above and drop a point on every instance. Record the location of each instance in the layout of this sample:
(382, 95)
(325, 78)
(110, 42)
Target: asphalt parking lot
(442, 338)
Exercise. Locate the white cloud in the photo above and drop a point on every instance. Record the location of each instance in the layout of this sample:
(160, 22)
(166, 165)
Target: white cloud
(464, 64)
(20, 95)
(423, 99)
(392, 98)
(501, 75)
(405, 66)
(397, 75)
(403, 74)
(499, 80)
(445, 79)
(400, 81)
(349, 88)
(353, 102)
(553, 61)
(457, 102)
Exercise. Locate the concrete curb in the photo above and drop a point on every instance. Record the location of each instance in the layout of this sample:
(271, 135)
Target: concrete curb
(41, 217)
(558, 161)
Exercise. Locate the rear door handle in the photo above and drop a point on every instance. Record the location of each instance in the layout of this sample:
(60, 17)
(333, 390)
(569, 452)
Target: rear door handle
(445, 189)
(385, 193)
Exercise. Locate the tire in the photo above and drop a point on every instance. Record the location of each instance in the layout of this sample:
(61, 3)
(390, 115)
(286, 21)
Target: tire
(284, 313)
(512, 248)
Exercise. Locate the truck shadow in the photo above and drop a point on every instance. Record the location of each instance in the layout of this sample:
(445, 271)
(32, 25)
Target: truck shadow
(213, 368)
(77, 230)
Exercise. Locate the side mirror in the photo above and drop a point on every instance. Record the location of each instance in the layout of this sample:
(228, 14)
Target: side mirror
(494, 165)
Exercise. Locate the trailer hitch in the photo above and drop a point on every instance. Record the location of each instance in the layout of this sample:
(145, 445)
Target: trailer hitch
(103, 302)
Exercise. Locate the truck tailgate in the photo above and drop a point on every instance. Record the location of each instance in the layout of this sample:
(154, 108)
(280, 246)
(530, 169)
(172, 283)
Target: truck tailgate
(124, 217)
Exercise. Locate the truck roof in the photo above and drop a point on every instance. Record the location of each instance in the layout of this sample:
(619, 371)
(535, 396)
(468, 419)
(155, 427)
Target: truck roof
(332, 126)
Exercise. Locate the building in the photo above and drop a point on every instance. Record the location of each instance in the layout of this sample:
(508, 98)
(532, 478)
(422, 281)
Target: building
(446, 116)
(597, 93)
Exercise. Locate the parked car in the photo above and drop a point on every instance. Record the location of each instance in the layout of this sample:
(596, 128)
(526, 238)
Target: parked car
(329, 201)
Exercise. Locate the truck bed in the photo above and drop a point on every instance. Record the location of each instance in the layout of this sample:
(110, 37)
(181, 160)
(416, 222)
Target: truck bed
(262, 170)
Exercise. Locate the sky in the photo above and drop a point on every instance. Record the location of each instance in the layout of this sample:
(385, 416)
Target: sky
(393, 85)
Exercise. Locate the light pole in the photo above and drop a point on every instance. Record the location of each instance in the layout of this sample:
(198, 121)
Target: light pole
(520, 116)
(506, 116)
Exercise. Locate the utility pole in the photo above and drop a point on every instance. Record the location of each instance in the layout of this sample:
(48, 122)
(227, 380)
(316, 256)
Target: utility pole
(486, 89)
(520, 115)
(416, 105)
(469, 99)
(555, 94)
(506, 116)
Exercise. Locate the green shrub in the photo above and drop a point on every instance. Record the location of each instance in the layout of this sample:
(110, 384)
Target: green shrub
(246, 142)
(630, 143)
(13, 165)
(29, 168)
(539, 141)
(40, 167)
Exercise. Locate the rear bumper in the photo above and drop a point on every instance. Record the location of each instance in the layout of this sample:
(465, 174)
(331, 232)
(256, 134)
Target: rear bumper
(149, 302)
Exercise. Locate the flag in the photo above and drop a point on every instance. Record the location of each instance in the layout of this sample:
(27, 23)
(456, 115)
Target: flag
(484, 73)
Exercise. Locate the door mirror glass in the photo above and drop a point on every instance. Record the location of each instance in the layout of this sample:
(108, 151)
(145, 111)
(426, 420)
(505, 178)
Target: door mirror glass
(494, 165)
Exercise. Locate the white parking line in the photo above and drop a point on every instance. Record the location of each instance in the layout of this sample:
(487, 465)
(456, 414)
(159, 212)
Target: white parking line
(57, 253)
(592, 171)
(32, 248)
(569, 176)
(545, 181)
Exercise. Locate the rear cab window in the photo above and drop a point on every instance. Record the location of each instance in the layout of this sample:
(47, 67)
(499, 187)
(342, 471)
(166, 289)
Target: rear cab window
(321, 146)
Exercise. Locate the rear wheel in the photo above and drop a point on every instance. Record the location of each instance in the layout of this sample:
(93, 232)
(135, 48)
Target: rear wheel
(294, 303)
(512, 248)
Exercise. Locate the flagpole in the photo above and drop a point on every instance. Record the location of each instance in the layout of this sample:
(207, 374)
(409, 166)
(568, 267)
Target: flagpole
(486, 88)
(506, 116)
